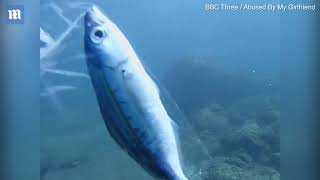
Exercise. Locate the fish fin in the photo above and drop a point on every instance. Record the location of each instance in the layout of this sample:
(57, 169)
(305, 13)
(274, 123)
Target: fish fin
(156, 86)
(176, 130)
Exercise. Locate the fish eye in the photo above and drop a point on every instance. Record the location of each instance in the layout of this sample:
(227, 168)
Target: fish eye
(97, 35)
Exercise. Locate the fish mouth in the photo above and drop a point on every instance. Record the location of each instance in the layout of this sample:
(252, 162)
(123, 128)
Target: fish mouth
(95, 16)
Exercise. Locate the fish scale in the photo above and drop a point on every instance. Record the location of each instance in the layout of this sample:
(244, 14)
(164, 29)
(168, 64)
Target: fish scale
(129, 100)
(127, 136)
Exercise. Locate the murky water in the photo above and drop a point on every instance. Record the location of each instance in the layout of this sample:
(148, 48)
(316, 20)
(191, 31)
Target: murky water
(221, 68)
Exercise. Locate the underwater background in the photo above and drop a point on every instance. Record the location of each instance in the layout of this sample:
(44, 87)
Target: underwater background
(222, 68)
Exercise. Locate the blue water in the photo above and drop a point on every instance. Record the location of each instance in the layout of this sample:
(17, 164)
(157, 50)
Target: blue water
(222, 69)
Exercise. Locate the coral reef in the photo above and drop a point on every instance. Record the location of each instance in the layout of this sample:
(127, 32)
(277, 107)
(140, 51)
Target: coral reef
(211, 119)
(243, 139)
(237, 168)
(235, 115)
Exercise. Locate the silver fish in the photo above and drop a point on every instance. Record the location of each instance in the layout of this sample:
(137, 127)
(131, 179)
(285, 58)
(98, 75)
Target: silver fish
(129, 99)
(67, 73)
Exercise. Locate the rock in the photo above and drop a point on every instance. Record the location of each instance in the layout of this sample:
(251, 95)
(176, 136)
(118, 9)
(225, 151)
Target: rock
(211, 118)
(233, 168)
(249, 138)
(223, 169)
(243, 156)
(268, 117)
(211, 143)
(252, 107)
(271, 137)
(238, 119)
(275, 161)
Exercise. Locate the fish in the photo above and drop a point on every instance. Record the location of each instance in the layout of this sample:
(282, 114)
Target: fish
(129, 99)
(52, 90)
(67, 73)
(49, 45)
